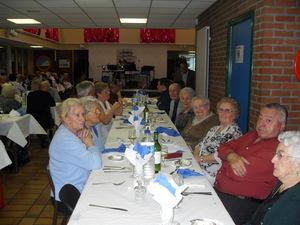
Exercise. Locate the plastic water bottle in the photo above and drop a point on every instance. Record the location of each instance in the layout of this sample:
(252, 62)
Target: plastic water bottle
(149, 166)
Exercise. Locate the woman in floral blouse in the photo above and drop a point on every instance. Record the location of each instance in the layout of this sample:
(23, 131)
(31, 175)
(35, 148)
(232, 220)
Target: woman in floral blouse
(206, 152)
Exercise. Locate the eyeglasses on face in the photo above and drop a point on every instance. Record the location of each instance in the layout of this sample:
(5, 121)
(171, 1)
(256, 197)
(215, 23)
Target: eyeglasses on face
(279, 155)
(221, 110)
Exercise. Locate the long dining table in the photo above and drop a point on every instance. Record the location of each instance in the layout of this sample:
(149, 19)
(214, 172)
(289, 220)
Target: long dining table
(115, 188)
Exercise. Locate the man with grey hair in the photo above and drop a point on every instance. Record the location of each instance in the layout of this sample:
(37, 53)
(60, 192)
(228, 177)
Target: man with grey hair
(85, 88)
(175, 105)
(246, 176)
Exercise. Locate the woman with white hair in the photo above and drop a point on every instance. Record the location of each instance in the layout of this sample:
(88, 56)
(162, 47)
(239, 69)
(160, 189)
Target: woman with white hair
(72, 152)
(283, 204)
(185, 95)
(7, 99)
(92, 112)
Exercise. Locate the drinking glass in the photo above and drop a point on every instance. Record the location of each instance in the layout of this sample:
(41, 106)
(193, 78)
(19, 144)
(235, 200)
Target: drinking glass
(132, 136)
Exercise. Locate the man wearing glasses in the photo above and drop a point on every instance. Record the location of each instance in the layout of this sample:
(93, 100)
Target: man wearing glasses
(246, 176)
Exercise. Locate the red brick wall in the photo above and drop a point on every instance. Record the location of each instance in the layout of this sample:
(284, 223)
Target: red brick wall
(276, 39)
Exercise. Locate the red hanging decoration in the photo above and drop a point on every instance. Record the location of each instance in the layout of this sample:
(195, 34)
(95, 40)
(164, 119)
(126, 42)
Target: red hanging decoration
(52, 33)
(101, 35)
(157, 35)
(35, 31)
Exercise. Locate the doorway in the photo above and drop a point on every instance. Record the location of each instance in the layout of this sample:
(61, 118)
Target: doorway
(240, 65)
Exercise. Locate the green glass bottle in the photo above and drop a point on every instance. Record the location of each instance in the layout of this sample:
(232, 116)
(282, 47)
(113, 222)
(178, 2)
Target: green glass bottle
(157, 153)
(146, 113)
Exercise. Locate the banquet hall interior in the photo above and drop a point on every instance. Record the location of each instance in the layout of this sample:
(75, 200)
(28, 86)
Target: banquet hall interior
(87, 40)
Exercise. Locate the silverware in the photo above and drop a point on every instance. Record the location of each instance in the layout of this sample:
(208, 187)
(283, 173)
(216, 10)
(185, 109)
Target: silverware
(196, 193)
(97, 183)
(108, 207)
(117, 171)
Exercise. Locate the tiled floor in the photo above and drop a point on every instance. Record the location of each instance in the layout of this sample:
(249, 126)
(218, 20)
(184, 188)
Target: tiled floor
(26, 193)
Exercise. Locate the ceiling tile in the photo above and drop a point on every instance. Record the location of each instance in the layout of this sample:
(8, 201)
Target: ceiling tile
(132, 3)
(98, 10)
(20, 3)
(201, 4)
(57, 3)
(170, 4)
(95, 3)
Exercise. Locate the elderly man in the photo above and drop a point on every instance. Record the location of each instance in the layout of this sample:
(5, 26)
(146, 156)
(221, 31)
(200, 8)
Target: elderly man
(85, 88)
(245, 177)
(175, 104)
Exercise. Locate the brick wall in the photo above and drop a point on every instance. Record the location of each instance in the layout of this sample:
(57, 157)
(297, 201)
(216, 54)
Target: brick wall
(276, 39)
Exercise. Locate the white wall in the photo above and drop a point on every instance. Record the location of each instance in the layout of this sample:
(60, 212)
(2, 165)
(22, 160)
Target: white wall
(152, 55)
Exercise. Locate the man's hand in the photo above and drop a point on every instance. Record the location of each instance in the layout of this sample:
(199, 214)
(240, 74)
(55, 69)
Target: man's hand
(237, 164)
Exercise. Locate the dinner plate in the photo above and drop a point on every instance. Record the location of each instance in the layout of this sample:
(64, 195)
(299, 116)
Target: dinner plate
(116, 157)
(184, 163)
(205, 221)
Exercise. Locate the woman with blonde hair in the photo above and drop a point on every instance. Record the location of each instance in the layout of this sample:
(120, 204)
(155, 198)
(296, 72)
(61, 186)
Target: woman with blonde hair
(206, 152)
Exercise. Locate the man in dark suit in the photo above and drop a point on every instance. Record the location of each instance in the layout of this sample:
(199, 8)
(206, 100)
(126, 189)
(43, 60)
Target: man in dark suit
(185, 77)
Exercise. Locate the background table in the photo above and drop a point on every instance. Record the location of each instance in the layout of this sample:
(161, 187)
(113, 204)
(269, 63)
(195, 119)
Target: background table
(4, 159)
(143, 212)
(18, 128)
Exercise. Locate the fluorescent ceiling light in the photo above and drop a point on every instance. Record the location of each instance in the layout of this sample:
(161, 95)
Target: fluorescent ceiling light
(133, 20)
(24, 21)
(36, 46)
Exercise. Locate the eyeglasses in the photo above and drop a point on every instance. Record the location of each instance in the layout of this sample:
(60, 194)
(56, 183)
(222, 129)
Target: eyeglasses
(279, 156)
(220, 110)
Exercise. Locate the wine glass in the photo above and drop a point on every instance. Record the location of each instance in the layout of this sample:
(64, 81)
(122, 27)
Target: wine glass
(132, 136)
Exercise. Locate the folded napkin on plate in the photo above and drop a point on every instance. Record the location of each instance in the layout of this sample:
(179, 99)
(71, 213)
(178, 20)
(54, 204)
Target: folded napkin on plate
(120, 149)
(138, 155)
(166, 193)
(188, 173)
(14, 113)
(168, 131)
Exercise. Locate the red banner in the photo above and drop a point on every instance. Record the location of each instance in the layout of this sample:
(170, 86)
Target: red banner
(101, 34)
(35, 31)
(52, 33)
(157, 35)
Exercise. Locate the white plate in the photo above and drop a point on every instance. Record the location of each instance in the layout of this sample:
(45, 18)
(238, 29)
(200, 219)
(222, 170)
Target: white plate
(185, 163)
(116, 158)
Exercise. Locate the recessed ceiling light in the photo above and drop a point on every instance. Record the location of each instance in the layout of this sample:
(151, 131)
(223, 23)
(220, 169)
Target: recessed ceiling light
(133, 20)
(36, 46)
(24, 21)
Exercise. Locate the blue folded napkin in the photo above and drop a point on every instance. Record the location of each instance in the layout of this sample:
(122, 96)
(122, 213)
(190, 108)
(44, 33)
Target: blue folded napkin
(168, 131)
(135, 108)
(142, 149)
(163, 181)
(188, 173)
(124, 120)
(120, 149)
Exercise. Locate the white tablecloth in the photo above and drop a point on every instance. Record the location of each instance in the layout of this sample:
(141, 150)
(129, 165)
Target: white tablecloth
(18, 128)
(55, 113)
(143, 212)
(4, 159)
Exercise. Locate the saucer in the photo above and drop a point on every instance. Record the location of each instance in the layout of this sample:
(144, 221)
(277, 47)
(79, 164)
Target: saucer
(116, 158)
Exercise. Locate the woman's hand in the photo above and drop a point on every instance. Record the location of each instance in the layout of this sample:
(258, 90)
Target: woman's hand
(86, 137)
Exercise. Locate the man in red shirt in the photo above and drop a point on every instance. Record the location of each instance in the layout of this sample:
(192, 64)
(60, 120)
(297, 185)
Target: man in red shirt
(246, 176)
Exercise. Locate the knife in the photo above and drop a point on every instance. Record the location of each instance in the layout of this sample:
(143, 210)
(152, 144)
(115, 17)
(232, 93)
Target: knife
(108, 207)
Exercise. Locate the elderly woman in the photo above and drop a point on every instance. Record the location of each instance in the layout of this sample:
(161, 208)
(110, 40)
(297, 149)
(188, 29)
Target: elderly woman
(92, 112)
(72, 151)
(186, 94)
(197, 126)
(7, 99)
(207, 150)
(103, 94)
(283, 204)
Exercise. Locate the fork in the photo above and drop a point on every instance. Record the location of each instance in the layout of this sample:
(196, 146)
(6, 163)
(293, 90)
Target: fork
(117, 184)
(196, 192)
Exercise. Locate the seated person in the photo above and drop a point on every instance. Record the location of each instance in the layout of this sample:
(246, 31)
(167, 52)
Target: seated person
(103, 93)
(186, 94)
(175, 104)
(39, 103)
(115, 91)
(72, 152)
(283, 204)
(163, 101)
(85, 88)
(198, 126)
(206, 152)
(92, 112)
(245, 177)
(7, 99)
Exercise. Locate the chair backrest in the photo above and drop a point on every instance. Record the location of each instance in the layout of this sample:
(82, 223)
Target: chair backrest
(69, 196)
(51, 181)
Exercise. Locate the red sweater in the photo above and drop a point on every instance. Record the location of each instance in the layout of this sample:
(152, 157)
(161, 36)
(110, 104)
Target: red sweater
(259, 180)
